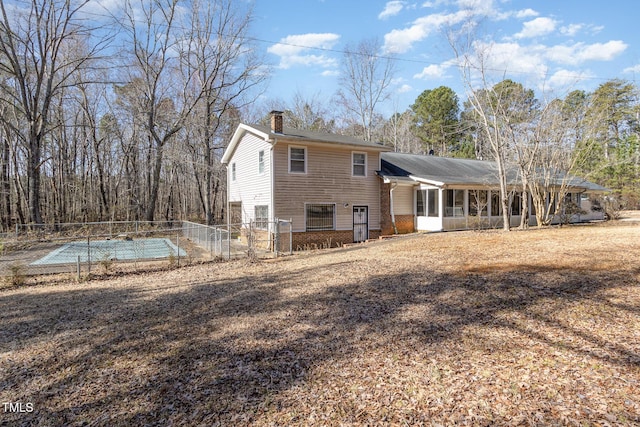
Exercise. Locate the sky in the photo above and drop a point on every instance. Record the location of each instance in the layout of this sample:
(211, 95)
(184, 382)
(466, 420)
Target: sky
(551, 46)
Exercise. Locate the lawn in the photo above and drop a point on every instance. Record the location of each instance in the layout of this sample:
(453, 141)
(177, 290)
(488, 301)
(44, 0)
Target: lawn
(538, 327)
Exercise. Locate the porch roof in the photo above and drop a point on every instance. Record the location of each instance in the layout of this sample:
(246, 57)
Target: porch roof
(439, 170)
(447, 171)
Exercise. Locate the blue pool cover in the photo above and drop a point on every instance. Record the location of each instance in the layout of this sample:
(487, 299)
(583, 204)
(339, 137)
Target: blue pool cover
(101, 250)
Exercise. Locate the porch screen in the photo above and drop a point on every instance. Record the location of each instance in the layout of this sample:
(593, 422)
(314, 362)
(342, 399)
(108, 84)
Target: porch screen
(454, 203)
(427, 203)
(320, 216)
(433, 206)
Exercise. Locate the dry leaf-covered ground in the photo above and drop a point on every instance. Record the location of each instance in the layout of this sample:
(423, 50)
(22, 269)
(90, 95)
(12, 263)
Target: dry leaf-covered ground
(477, 328)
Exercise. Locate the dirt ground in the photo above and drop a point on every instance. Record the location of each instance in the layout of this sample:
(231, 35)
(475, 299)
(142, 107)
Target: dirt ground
(538, 327)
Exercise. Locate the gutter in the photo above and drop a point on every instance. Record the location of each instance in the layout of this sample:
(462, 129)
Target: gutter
(393, 217)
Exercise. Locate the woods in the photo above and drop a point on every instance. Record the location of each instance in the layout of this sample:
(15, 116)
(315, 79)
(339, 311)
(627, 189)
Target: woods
(101, 127)
(125, 116)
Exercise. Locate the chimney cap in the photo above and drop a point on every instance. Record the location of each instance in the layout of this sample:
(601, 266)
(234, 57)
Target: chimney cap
(276, 112)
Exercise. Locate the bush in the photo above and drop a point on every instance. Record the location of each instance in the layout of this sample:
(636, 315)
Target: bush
(16, 275)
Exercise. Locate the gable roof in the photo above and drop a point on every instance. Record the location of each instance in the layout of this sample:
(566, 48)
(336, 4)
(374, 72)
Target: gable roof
(298, 136)
(442, 171)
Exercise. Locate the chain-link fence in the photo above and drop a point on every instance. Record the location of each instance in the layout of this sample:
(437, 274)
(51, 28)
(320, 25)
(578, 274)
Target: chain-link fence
(81, 248)
(254, 239)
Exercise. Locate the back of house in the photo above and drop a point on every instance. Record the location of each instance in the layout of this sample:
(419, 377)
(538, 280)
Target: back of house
(326, 184)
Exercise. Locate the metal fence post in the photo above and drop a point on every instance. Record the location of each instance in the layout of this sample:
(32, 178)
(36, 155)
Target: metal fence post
(178, 245)
(290, 236)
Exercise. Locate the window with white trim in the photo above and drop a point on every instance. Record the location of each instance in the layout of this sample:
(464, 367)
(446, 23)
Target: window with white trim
(261, 161)
(427, 203)
(297, 160)
(320, 216)
(359, 164)
(420, 202)
(261, 216)
(433, 205)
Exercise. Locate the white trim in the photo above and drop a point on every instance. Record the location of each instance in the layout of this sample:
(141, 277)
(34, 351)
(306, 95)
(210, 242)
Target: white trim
(368, 219)
(235, 140)
(306, 159)
(427, 181)
(353, 164)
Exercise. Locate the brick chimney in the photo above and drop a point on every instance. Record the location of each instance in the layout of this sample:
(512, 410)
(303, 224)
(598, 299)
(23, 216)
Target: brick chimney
(276, 121)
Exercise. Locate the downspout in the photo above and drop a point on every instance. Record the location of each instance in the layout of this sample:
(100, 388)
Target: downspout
(393, 217)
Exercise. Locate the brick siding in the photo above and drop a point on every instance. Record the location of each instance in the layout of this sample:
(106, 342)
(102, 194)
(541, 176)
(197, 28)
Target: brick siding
(325, 239)
(404, 223)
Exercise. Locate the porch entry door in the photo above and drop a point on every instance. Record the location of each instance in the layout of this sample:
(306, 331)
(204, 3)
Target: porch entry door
(360, 223)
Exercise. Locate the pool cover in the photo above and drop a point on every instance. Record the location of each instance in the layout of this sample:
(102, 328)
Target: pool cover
(101, 250)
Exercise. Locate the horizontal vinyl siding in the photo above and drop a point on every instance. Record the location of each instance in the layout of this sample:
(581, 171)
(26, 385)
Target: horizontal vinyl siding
(403, 200)
(328, 180)
(251, 188)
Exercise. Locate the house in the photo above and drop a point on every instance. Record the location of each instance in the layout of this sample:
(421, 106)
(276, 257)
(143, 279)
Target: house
(337, 189)
(326, 184)
(428, 193)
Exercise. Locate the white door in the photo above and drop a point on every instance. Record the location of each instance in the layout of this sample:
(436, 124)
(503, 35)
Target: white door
(360, 223)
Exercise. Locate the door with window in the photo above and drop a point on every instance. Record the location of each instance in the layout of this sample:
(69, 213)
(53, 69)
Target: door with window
(360, 223)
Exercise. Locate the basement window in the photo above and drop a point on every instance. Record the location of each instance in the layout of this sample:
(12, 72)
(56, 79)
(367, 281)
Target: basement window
(320, 217)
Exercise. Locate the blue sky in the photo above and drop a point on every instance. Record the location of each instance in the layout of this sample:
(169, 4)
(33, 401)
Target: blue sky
(551, 46)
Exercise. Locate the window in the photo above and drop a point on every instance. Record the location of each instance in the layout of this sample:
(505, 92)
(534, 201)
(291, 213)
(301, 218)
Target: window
(320, 216)
(433, 207)
(261, 216)
(478, 202)
(420, 196)
(454, 203)
(427, 203)
(359, 162)
(233, 171)
(261, 161)
(297, 160)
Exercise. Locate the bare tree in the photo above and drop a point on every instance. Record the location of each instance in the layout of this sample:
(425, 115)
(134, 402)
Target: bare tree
(490, 104)
(228, 73)
(37, 54)
(365, 80)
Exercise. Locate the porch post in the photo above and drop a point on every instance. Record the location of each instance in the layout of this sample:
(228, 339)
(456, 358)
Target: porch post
(441, 207)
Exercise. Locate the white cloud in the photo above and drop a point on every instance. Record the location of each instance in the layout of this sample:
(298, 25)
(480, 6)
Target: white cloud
(579, 53)
(571, 29)
(392, 8)
(537, 27)
(330, 73)
(602, 51)
(634, 69)
(433, 71)
(400, 41)
(563, 79)
(526, 13)
(405, 88)
(294, 50)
